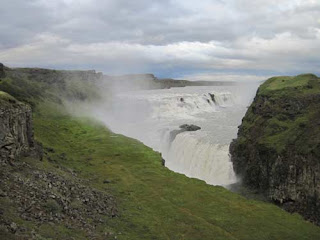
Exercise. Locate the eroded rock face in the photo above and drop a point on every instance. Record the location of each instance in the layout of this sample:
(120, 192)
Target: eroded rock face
(277, 151)
(16, 132)
(2, 72)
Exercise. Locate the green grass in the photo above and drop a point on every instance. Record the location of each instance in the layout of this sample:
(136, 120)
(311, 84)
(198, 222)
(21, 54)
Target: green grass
(279, 83)
(33, 85)
(6, 97)
(7, 101)
(154, 202)
(288, 122)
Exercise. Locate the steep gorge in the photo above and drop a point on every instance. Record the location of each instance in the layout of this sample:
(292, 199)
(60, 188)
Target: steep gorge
(277, 151)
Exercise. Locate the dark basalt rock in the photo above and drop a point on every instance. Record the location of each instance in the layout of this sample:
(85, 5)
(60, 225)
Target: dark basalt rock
(190, 127)
(2, 72)
(16, 130)
(277, 150)
(183, 128)
(163, 162)
(212, 97)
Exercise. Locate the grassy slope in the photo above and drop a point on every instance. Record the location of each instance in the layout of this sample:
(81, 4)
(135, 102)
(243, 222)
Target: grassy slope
(33, 85)
(6, 99)
(154, 202)
(286, 126)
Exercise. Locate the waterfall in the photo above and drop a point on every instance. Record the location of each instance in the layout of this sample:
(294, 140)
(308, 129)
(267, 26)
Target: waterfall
(154, 117)
(198, 159)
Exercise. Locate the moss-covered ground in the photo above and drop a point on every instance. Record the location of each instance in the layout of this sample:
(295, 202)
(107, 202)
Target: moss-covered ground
(290, 113)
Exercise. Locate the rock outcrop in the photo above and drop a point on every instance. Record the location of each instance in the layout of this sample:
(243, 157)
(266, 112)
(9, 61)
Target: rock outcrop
(277, 151)
(190, 127)
(2, 72)
(16, 133)
(183, 128)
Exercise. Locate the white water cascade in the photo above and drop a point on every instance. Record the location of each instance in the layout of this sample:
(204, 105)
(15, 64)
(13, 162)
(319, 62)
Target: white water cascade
(151, 116)
(199, 159)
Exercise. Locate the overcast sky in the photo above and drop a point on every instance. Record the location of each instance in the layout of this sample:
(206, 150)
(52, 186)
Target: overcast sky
(194, 39)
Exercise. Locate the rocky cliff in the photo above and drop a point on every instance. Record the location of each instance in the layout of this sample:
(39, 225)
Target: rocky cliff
(16, 134)
(277, 151)
(2, 71)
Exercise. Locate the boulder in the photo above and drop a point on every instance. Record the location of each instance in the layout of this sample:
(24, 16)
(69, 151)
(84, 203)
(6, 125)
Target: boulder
(190, 127)
(212, 97)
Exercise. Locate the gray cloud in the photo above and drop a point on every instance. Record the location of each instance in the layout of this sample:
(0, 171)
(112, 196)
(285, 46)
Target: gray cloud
(167, 37)
(20, 21)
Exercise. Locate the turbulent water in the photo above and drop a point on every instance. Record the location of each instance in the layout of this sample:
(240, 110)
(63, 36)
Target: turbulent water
(152, 116)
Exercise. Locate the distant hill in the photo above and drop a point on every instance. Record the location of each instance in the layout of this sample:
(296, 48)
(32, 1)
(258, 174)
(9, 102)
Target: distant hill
(74, 81)
(149, 81)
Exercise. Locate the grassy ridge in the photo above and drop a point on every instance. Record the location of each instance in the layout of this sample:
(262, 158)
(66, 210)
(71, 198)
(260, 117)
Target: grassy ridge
(288, 82)
(32, 85)
(154, 202)
(287, 107)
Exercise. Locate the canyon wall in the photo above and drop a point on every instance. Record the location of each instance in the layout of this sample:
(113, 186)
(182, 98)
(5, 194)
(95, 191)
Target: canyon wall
(277, 151)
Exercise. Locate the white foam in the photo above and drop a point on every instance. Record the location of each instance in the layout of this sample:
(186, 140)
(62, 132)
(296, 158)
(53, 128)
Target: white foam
(150, 116)
(199, 159)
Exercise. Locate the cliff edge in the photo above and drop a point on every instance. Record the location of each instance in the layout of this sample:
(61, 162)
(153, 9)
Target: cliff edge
(277, 151)
(16, 133)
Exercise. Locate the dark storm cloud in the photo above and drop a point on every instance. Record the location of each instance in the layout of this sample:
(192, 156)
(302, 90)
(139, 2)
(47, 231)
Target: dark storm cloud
(195, 38)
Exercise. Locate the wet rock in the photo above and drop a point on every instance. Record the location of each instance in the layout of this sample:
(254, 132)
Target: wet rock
(190, 127)
(183, 128)
(163, 162)
(212, 97)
